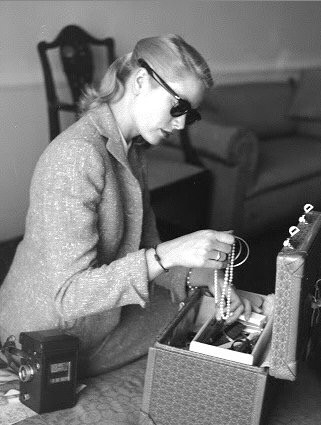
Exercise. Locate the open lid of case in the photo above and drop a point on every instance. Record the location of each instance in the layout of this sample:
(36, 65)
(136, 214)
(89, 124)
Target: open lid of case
(298, 268)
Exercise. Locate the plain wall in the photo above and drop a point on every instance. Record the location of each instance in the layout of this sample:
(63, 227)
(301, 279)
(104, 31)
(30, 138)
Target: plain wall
(238, 39)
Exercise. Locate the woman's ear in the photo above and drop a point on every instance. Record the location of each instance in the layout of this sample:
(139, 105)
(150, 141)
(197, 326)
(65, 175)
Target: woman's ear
(140, 80)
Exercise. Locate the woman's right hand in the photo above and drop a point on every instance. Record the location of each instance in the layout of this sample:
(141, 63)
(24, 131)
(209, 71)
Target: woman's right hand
(204, 248)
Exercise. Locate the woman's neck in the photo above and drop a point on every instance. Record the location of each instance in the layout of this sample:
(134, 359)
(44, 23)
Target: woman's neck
(121, 111)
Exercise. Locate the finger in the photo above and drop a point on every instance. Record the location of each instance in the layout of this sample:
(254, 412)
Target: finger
(235, 300)
(226, 238)
(235, 304)
(212, 264)
(256, 303)
(247, 308)
(222, 246)
(223, 264)
(217, 255)
(235, 314)
(256, 309)
(256, 300)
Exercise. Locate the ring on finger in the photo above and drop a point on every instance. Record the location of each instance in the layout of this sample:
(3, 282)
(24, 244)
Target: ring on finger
(218, 256)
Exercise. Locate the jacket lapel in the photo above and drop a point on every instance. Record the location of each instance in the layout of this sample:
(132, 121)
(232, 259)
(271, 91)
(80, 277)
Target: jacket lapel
(130, 175)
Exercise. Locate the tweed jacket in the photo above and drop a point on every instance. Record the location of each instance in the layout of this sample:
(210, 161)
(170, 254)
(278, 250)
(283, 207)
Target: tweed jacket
(89, 221)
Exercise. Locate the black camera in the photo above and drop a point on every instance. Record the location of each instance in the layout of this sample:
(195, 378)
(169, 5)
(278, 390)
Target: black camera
(48, 370)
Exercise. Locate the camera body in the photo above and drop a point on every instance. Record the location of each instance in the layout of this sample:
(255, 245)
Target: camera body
(48, 371)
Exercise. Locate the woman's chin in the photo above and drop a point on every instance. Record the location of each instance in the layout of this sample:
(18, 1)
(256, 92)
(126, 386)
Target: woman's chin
(154, 139)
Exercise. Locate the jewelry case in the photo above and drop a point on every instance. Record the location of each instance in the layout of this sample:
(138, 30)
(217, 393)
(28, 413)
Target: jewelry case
(192, 388)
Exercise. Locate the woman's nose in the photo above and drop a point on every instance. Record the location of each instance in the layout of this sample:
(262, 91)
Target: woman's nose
(179, 122)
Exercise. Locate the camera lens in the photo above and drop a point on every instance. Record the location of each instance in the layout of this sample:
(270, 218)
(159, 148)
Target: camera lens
(26, 373)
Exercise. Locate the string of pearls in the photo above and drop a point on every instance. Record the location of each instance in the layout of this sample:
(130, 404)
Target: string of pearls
(225, 300)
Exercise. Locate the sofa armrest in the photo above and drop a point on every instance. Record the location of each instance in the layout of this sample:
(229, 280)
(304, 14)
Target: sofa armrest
(226, 144)
(231, 155)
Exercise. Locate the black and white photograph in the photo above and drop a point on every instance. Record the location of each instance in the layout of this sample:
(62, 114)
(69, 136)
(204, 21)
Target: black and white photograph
(160, 212)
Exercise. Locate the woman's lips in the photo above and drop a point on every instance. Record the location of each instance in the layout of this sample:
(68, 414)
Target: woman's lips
(166, 134)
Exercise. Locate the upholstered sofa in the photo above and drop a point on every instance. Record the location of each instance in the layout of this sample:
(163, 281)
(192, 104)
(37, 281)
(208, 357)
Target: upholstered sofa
(262, 143)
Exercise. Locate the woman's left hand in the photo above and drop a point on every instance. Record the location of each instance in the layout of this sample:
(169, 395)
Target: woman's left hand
(239, 304)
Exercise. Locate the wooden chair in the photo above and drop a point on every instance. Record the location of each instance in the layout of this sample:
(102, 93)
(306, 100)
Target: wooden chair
(179, 184)
(76, 55)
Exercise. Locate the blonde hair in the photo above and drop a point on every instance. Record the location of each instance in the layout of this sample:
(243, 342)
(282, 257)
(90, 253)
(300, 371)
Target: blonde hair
(169, 55)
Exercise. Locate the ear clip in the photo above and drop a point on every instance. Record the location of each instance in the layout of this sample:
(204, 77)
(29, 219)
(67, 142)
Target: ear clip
(293, 230)
(307, 208)
(302, 220)
(287, 243)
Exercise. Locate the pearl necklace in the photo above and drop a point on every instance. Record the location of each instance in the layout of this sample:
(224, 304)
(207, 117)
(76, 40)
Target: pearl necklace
(227, 285)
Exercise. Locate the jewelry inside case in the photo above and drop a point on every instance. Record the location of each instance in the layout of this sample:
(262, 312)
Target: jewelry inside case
(244, 341)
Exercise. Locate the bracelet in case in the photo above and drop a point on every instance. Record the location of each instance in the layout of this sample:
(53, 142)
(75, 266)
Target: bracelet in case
(158, 259)
(189, 287)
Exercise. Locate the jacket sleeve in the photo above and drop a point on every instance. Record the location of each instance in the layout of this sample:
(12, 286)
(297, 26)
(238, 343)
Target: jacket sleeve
(66, 191)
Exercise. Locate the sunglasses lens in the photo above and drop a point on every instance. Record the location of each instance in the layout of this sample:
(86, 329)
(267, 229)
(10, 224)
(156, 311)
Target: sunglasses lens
(183, 107)
(192, 116)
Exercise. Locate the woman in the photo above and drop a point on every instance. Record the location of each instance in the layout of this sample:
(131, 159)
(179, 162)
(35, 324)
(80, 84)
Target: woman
(87, 260)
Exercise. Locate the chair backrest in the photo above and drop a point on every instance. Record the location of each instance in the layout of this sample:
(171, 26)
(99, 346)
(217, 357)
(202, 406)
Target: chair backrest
(76, 55)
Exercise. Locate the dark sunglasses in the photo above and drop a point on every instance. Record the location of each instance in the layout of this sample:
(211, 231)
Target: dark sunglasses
(183, 106)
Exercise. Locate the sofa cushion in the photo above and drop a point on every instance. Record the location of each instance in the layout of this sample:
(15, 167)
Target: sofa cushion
(286, 160)
(262, 107)
(307, 102)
